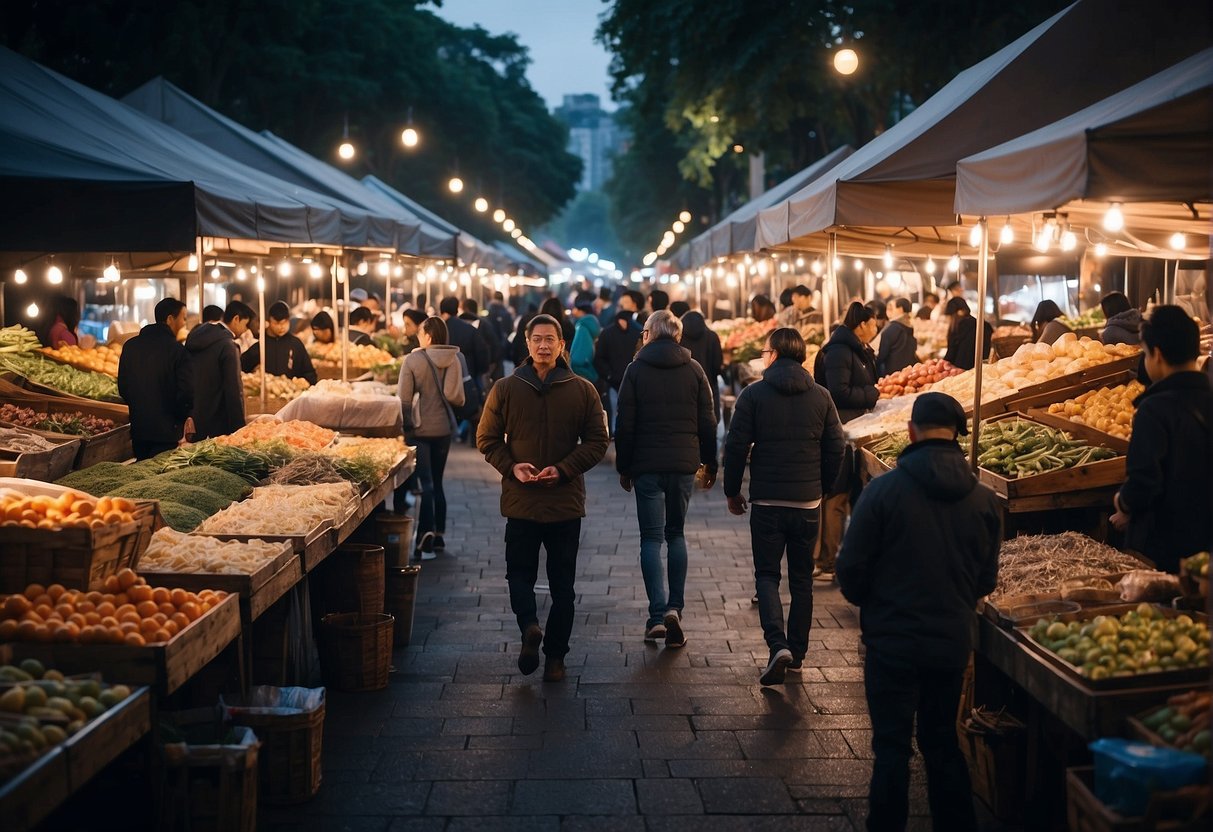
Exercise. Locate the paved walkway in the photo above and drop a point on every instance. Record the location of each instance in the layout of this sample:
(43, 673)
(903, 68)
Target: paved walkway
(638, 737)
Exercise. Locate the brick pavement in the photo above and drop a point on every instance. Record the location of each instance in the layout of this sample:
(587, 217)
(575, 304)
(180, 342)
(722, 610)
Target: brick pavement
(638, 737)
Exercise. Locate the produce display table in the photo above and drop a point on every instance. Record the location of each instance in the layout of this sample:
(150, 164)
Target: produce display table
(365, 414)
(257, 591)
(34, 793)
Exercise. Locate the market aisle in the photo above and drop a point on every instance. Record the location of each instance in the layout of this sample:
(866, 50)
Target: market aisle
(638, 737)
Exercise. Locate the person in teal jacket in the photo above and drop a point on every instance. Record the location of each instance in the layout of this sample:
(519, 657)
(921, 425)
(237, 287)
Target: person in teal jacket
(581, 353)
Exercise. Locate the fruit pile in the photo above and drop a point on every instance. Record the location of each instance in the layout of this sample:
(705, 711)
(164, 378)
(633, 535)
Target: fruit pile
(42, 708)
(127, 611)
(276, 387)
(72, 510)
(74, 423)
(360, 356)
(1109, 409)
(99, 359)
(1183, 722)
(1197, 565)
(916, 378)
(1141, 640)
(295, 433)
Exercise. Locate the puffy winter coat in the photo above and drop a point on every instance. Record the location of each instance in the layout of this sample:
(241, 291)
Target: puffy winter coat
(898, 349)
(704, 345)
(285, 356)
(962, 342)
(850, 370)
(1123, 328)
(581, 353)
(219, 392)
(615, 350)
(156, 381)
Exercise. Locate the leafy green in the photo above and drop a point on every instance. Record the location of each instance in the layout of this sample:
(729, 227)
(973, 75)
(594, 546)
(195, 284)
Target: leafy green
(216, 480)
(181, 518)
(157, 488)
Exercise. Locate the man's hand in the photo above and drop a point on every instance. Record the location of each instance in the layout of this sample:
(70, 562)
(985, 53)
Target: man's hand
(189, 431)
(525, 472)
(625, 482)
(707, 478)
(1119, 521)
(737, 505)
(548, 477)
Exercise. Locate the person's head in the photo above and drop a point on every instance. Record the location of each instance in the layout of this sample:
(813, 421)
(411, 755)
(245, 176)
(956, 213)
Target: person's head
(955, 289)
(583, 308)
(784, 342)
(171, 312)
(659, 300)
(212, 313)
(631, 301)
(362, 319)
(623, 319)
(544, 341)
(604, 294)
(237, 317)
(861, 320)
(930, 300)
(498, 297)
(432, 331)
(879, 312)
(413, 319)
(358, 295)
(761, 308)
(899, 308)
(279, 319)
(937, 416)
(785, 299)
(1046, 310)
(470, 307)
(662, 324)
(956, 308)
(373, 303)
(67, 310)
(322, 327)
(1113, 303)
(680, 308)
(802, 298)
(1171, 341)
(448, 307)
(553, 308)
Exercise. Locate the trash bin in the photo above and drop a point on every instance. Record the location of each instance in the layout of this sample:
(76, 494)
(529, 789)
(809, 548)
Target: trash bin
(352, 579)
(356, 650)
(210, 773)
(290, 724)
(401, 600)
(396, 536)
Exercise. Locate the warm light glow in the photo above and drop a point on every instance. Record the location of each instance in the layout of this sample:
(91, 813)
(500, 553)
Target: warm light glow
(1043, 239)
(284, 270)
(678, 227)
(241, 274)
(31, 311)
(650, 258)
(738, 148)
(315, 271)
(668, 239)
(346, 151)
(516, 233)
(1178, 241)
(54, 275)
(858, 265)
(731, 280)
(19, 276)
(192, 263)
(783, 268)
(954, 263)
(930, 265)
(1006, 236)
(975, 236)
(384, 268)
(398, 271)
(818, 267)
(846, 61)
(499, 215)
(481, 204)
(252, 269)
(409, 137)
(363, 267)
(1114, 218)
(508, 225)
(215, 273)
(455, 185)
(1101, 250)
(837, 263)
(888, 257)
(1069, 240)
(111, 273)
(261, 284)
(684, 216)
(800, 262)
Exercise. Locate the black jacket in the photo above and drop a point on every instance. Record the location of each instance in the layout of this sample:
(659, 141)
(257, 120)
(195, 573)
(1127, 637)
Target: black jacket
(285, 356)
(614, 352)
(921, 549)
(485, 330)
(359, 338)
(156, 381)
(788, 427)
(501, 324)
(962, 342)
(666, 423)
(1169, 472)
(704, 345)
(850, 370)
(219, 403)
(1123, 328)
(471, 343)
(518, 348)
(898, 348)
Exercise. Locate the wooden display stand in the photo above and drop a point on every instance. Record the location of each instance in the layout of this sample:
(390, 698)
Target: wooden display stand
(33, 794)
(47, 466)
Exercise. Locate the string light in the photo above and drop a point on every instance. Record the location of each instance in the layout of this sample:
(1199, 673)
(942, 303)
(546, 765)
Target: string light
(930, 265)
(1178, 241)
(31, 311)
(1043, 239)
(20, 276)
(346, 151)
(481, 204)
(1114, 218)
(409, 137)
(684, 216)
(846, 61)
(975, 236)
(508, 224)
(363, 267)
(678, 226)
(111, 273)
(858, 265)
(499, 215)
(54, 275)
(455, 185)
(384, 268)
(650, 258)
(954, 263)
(241, 274)
(215, 273)
(837, 263)
(1069, 240)
(888, 257)
(315, 271)
(800, 262)
(192, 263)
(1006, 236)
(818, 267)
(284, 270)
(1101, 250)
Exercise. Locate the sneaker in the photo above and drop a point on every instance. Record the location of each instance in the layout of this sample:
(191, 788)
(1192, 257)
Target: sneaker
(553, 670)
(796, 665)
(823, 576)
(674, 636)
(528, 657)
(754, 600)
(816, 571)
(777, 667)
(654, 634)
(439, 543)
(425, 547)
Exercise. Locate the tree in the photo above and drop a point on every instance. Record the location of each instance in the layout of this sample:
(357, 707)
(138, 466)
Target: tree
(586, 222)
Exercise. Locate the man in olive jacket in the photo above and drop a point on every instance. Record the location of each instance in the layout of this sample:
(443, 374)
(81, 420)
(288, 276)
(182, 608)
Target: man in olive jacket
(543, 427)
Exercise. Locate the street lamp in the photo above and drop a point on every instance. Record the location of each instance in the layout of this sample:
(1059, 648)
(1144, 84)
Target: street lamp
(345, 150)
(409, 137)
(455, 185)
(846, 61)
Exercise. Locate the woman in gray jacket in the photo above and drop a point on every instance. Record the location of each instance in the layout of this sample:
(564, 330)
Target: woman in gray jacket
(433, 374)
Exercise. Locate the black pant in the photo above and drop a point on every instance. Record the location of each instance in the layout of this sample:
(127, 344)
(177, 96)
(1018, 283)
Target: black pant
(897, 690)
(774, 529)
(431, 466)
(561, 540)
(146, 449)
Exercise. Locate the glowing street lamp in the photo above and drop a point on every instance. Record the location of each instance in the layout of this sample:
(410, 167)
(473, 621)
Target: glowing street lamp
(409, 137)
(455, 185)
(846, 61)
(346, 150)
(481, 204)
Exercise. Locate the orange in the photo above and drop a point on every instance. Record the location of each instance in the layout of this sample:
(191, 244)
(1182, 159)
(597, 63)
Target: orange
(92, 618)
(112, 584)
(129, 626)
(72, 628)
(124, 608)
(26, 629)
(161, 595)
(109, 621)
(146, 609)
(44, 599)
(106, 608)
(33, 616)
(147, 626)
(160, 635)
(107, 598)
(77, 619)
(44, 611)
(179, 597)
(65, 611)
(191, 610)
(115, 635)
(8, 629)
(139, 593)
(127, 578)
(170, 628)
(66, 633)
(16, 606)
(55, 590)
(167, 608)
(181, 620)
(94, 597)
(121, 598)
(159, 618)
(135, 640)
(129, 617)
(85, 607)
(41, 633)
(33, 591)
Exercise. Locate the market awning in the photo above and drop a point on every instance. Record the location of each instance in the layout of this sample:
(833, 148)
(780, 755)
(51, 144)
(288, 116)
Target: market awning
(83, 172)
(463, 245)
(391, 227)
(903, 181)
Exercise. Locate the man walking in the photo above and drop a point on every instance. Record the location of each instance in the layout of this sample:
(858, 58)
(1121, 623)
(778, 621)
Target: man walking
(215, 358)
(787, 425)
(665, 430)
(156, 382)
(922, 547)
(613, 353)
(542, 429)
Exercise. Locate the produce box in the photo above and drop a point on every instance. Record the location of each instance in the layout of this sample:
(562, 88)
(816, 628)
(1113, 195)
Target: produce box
(103, 738)
(34, 387)
(257, 590)
(1182, 723)
(27, 799)
(1097, 474)
(253, 407)
(312, 548)
(76, 558)
(211, 778)
(165, 666)
(1071, 383)
(47, 466)
(110, 446)
(1178, 811)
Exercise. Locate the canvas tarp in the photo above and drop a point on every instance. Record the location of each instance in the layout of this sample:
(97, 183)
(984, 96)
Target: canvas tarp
(83, 172)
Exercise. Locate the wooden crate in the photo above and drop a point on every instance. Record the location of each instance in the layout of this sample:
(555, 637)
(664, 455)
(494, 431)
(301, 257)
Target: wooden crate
(34, 387)
(1024, 403)
(102, 739)
(76, 558)
(1099, 474)
(257, 591)
(27, 799)
(47, 466)
(312, 547)
(165, 667)
(111, 446)
(1086, 813)
(1062, 386)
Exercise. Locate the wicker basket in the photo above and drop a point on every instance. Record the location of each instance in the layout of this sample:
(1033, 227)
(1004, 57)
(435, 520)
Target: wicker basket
(396, 534)
(211, 788)
(400, 598)
(76, 558)
(356, 650)
(290, 751)
(353, 582)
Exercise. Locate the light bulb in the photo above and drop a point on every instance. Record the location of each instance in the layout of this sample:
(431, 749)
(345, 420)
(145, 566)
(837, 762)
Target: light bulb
(1069, 240)
(818, 267)
(398, 271)
(315, 271)
(858, 265)
(54, 275)
(732, 280)
(215, 273)
(111, 273)
(975, 236)
(930, 265)
(800, 262)
(508, 225)
(1043, 239)
(650, 258)
(346, 151)
(684, 216)
(1114, 218)
(481, 204)
(455, 185)
(252, 269)
(783, 268)
(384, 268)
(516, 233)
(19, 276)
(837, 263)
(409, 137)
(954, 263)
(363, 267)
(261, 284)
(31, 311)
(241, 274)
(1178, 242)
(888, 257)
(431, 271)
(1101, 250)
(846, 61)
(678, 226)
(284, 270)
(1006, 236)
(499, 215)
(192, 263)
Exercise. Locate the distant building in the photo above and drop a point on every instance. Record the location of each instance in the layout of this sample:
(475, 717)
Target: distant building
(593, 136)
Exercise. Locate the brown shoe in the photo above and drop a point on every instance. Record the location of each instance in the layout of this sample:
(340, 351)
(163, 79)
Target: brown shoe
(528, 657)
(553, 670)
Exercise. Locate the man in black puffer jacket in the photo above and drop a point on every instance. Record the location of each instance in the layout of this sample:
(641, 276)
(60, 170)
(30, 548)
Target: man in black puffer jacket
(665, 429)
(922, 547)
(613, 352)
(788, 427)
(704, 345)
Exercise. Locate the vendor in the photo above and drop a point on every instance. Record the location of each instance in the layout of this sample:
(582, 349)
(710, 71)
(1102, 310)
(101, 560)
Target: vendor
(929, 302)
(62, 331)
(1123, 320)
(1164, 503)
(322, 328)
(413, 319)
(285, 353)
(362, 326)
(962, 334)
(1047, 325)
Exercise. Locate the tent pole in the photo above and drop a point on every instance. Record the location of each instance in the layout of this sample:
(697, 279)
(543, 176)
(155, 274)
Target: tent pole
(983, 253)
(830, 286)
(333, 293)
(261, 336)
(345, 333)
(387, 299)
(201, 278)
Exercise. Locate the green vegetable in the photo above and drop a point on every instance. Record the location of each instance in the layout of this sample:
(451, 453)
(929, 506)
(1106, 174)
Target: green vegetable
(156, 488)
(62, 377)
(252, 462)
(181, 518)
(103, 478)
(18, 340)
(215, 480)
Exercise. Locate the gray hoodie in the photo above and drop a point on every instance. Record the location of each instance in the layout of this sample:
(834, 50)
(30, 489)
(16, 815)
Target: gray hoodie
(417, 378)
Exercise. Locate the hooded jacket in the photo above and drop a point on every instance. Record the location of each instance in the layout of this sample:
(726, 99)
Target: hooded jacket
(898, 348)
(850, 370)
(704, 345)
(921, 549)
(962, 342)
(1168, 473)
(1122, 328)
(156, 381)
(581, 353)
(615, 350)
(787, 427)
(666, 423)
(284, 356)
(219, 392)
(555, 421)
(416, 377)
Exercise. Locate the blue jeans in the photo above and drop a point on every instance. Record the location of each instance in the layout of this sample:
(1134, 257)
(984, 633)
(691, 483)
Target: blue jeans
(661, 508)
(431, 465)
